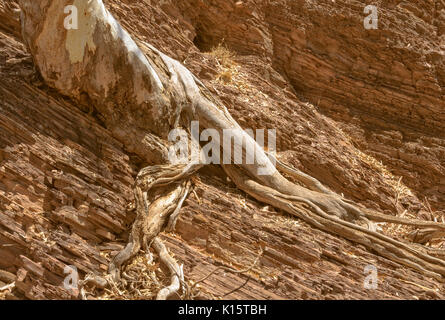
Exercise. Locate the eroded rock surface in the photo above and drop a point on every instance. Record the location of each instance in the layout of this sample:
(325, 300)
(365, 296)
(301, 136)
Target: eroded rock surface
(357, 109)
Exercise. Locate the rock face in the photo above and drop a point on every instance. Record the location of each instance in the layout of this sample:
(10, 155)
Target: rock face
(361, 110)
(385, 87)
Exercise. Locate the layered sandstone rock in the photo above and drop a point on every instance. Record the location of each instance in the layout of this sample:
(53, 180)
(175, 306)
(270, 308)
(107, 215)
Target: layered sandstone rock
(342, 99)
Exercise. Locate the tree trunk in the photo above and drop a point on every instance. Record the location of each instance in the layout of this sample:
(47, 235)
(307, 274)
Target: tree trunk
(143, 94)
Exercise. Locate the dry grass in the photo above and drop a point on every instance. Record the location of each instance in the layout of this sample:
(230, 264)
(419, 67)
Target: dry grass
(393, 182)
(400, 191)
(3, 295)
(4, 290)
(227, 68)
(143, 280)
(223, 55)
(229, 71)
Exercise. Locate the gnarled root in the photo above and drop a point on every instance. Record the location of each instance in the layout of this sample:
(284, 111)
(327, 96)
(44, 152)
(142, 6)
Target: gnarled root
(312, 212)
(168, 190)
(177, 274)
(427, 231)
(175, 96)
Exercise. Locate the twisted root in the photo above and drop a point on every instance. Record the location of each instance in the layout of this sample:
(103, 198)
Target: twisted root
(178, 96)
(168, 190)
(316, 211)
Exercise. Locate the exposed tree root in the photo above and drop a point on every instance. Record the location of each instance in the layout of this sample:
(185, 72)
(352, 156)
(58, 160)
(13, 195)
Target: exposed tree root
(159, 192)
(145, 95)
(306, 210)
(7, 287)
(307, 180)
(428, 230)
(177, 274)
(156, 209)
